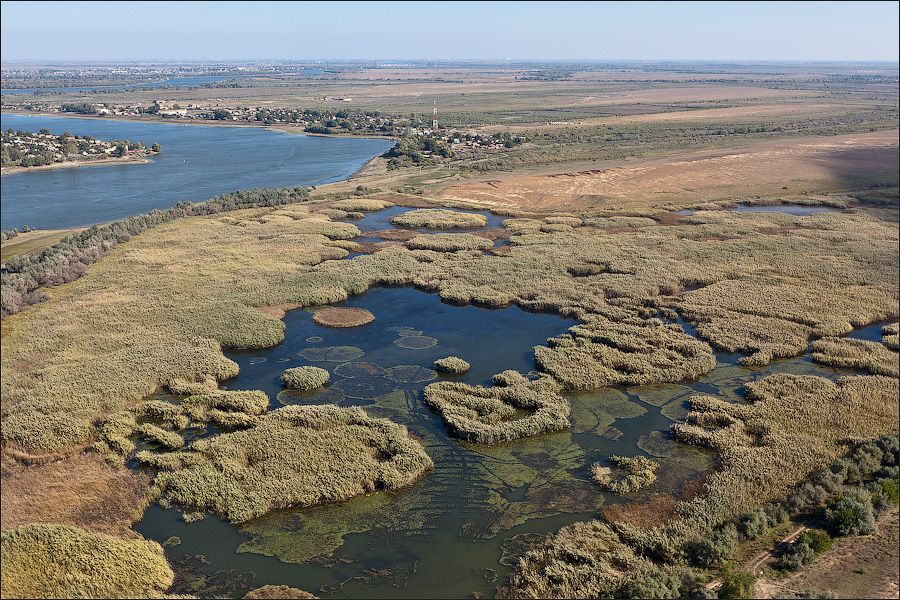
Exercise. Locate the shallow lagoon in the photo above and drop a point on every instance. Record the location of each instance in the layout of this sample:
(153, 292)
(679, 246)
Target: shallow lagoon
(452, 533)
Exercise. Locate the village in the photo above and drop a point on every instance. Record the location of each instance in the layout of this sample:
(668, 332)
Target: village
(26, 149)
(420, 139)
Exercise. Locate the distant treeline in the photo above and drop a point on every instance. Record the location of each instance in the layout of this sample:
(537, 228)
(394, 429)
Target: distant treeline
(24, 275)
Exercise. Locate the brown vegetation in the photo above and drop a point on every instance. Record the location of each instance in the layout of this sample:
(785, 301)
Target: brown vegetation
(490, 415)
(873, 357)
(340, 316)
(79, 490)
(244, 474)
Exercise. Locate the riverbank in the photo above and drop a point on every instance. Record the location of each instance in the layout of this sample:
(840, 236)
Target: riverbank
(284, 127)
(71, 164)
(32, 241)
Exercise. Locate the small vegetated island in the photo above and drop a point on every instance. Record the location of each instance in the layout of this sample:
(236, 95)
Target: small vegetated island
(25, 150)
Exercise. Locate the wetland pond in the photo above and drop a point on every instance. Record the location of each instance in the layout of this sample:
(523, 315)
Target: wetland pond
(458, 530)
(797, 210)
(197, 162)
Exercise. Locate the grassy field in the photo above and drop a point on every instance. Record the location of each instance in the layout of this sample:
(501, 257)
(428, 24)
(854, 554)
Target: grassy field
(32, 241)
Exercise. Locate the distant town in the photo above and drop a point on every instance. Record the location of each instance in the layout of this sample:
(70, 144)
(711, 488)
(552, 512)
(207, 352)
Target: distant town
(420, 140)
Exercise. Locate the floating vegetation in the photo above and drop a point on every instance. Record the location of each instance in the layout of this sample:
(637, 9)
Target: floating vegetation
(357, 204)
(873, 357)
(639, 472)
(314, 339)
(449, 242)
(452, 364)
(333, 394)
(244, 474)
(594, 412)
(490, 415)
(403, 331)
(62, 561)
(332, 354)
(304, 378)
(338, 316)
(278, 592)
(415, 342)
(438, 218)
(405, 374)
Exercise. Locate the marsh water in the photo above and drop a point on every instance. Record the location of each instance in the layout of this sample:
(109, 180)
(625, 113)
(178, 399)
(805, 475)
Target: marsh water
(458, 530)
(197, 162)
(796, 210)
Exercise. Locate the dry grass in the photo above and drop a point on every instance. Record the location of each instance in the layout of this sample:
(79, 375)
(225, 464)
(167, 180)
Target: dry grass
(873, 357)
(763, 168)
(335, 316)
(638, 473)
(80, 489)
(277, 592)
(360, 204)
(305, 378)
(451, 364)
(449, 242)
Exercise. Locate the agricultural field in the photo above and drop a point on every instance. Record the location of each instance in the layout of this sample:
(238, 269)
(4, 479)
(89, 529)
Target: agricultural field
(618, 359)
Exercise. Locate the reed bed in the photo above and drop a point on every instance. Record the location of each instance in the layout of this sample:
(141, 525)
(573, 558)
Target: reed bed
(63, 561)
(304, 378)
(492, 415)
(438, 218)
(874, 357)
(452, 364)
(449, 242)
(294, 456)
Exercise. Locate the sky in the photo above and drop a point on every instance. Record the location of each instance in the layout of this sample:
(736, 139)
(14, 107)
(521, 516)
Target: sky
(756, 31)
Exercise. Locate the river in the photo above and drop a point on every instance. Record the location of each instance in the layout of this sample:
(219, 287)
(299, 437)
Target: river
(197, 162)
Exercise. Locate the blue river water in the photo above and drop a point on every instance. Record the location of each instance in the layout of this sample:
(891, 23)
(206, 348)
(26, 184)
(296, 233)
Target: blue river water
(197, 162)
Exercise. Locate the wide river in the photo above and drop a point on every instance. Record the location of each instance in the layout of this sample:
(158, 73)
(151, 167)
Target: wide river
(197, 162)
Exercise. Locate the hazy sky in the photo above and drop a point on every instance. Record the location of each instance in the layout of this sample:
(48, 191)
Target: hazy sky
(447, 30)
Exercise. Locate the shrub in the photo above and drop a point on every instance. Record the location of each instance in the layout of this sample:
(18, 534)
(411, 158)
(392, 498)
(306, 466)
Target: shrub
(795, 556)
(816, 539)
(716, 549)
(851, 514)
(754, 523)
(451, 364)
(737, 584)
(304, 378)
(640, 472)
